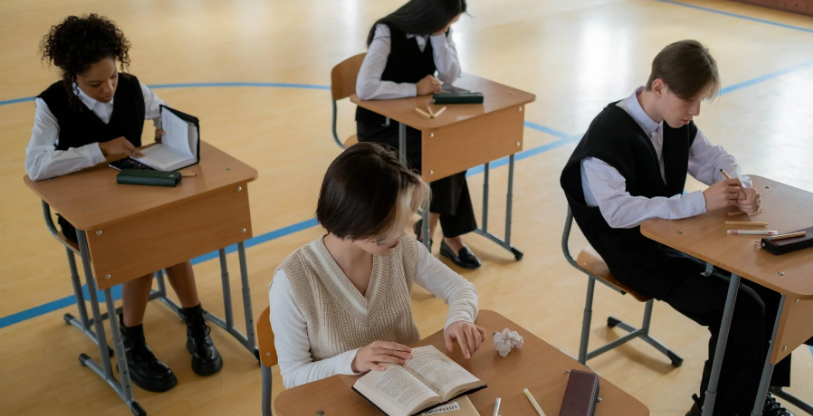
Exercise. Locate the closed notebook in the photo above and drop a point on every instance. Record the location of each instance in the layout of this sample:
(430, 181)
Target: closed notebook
(581, 394)
(458, 98)
(148, 177)
(788, 245)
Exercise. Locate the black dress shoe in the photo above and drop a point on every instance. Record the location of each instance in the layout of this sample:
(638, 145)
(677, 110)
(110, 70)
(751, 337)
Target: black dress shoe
(205, 358)
(774, 408)
(417, 229)
(145, 370)
(464, 258)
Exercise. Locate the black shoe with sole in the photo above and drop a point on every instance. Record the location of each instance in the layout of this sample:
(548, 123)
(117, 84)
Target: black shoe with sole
(145, 370)
(774, 408)
(205, 358)
(464, 258)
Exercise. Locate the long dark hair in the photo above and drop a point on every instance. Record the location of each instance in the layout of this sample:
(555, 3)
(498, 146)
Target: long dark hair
(421, 17)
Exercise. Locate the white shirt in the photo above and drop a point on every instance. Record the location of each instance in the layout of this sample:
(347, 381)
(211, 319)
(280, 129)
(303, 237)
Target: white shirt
(369, 85)
(43, 161)
(291, 331)
(605, 187)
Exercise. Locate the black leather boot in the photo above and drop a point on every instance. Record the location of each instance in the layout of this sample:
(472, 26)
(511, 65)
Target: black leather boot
(205, 358)
(145, 370)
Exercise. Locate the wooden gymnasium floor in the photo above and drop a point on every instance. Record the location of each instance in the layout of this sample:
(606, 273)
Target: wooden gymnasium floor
(576, 56)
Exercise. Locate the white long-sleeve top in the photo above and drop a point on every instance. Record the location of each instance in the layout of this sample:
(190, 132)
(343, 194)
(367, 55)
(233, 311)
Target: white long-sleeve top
(604, 187)
(291, 333)
(43, 161)
(369, 85)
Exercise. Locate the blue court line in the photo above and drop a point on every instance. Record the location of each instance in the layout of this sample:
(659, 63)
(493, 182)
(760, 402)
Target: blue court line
(738, 16)
(757, 80)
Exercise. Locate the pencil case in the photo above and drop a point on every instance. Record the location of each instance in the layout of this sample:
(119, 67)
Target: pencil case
(788, 245)
(148, 177)
(458, 98)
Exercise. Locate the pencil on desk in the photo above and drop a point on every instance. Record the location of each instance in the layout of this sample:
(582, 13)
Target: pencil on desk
(725, 174)
(752, 232)
(430, 110)
(533, 402)
(749, 223)
(423, 113)
(440, 111)
(736, 213)
(188, 174)
(788, 235)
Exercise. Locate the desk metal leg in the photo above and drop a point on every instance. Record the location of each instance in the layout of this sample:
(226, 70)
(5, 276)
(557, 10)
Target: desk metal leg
(104, 369)
(506, 243)
(402, 143)
(247, 340)
(427, 238)
(722, 339)
(767, 370)
(249, 314)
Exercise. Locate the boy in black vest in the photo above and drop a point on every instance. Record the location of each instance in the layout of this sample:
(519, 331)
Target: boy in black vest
(92, 113)
(631, 165)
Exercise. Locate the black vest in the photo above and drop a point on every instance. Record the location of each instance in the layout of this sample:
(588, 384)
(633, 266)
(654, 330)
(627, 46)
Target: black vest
(79, 126)
(615, 138)
(406, 64)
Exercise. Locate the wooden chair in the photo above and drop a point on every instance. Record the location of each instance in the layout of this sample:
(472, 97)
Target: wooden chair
(591, 263)
(268, 357)
(342, 85)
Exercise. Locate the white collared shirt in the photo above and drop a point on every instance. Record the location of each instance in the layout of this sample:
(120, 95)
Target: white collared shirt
(604, 187)
(369, 85)
(43, 161)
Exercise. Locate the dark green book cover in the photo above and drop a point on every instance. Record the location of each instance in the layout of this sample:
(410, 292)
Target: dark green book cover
(148, 177)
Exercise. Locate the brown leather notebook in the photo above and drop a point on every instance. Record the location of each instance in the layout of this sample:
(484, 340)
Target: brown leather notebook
(788, 245)
(581, 394)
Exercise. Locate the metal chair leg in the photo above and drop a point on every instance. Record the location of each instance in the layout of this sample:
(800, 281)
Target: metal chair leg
(588, 316)
(267, 381)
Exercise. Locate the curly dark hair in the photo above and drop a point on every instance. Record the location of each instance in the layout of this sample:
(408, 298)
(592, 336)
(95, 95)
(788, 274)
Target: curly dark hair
(79, 42)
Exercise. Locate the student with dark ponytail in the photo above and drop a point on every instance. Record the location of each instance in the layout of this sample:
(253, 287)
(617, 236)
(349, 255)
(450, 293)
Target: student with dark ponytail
(94, 112)
(405, 49)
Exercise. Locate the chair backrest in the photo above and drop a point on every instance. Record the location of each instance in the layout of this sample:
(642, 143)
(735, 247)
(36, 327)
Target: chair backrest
(343, 77)
(265, 337)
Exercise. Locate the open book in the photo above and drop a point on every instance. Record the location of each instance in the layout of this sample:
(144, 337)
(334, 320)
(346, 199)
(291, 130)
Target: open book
(180, 145)
(427, 380)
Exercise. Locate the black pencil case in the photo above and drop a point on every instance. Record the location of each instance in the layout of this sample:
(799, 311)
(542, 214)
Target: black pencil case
(787, 245)
(458, 98)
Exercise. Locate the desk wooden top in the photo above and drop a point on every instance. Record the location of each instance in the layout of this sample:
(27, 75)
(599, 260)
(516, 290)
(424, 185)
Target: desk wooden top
(537, 366)
(785, 209)
(91, 198)
(495, 97)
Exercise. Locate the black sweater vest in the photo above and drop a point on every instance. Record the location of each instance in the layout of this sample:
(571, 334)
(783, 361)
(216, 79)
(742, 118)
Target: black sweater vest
(615, 138)
(78, 125)
(406, 64)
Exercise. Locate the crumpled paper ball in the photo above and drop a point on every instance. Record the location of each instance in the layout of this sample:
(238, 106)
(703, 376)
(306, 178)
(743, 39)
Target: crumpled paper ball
(506, 340)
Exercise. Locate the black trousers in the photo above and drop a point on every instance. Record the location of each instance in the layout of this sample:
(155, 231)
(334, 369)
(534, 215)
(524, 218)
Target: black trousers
(702, 299)
(450, 195)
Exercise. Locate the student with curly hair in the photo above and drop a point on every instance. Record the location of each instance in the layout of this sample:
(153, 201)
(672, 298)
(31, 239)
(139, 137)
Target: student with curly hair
(96, 111)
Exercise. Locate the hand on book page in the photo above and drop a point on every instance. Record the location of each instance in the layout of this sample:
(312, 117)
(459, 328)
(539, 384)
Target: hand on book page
(468, 335)
(371, 357)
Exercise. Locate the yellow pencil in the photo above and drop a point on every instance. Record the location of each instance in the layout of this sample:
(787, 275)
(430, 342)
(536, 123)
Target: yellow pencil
(441, 111)
(788, 235)
(533, 402)
(725, 174)
(423, 113)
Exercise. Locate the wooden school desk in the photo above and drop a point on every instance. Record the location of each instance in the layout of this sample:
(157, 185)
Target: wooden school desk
(127, 231)
(784, 209)
(462, 137)
(537, 366)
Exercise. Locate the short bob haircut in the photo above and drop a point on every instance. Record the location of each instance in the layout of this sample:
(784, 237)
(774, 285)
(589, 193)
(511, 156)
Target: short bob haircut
(368, 194)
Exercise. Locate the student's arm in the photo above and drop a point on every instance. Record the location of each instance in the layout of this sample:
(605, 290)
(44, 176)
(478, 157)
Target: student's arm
(152, 106)
(706, 160)
(444, 283)
(43, 161)
(291, 340)
(369, 85)
(606, 188)
(445, 54)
